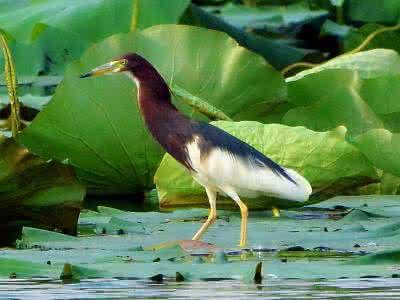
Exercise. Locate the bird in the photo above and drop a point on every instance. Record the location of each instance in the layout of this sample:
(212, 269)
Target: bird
(218, 161)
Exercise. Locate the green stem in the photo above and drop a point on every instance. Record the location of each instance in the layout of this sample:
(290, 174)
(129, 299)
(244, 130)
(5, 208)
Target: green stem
(199, 105)
(135, 15)
(250, 2)
(370, 37)
(339, 14)
(297, 65)
(11, 81)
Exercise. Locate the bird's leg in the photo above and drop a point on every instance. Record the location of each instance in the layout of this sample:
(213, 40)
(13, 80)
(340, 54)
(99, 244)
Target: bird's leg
(212, 196)
(243, 210)
(243, 227)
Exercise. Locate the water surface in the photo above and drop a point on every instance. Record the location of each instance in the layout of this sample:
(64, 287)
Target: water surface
(139, 289)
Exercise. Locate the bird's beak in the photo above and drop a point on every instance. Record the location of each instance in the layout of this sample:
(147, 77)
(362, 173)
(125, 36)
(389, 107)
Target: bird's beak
(111, 67)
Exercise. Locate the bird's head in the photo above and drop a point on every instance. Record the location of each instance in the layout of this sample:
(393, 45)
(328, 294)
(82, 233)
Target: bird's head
(138, 69)
(130, 62)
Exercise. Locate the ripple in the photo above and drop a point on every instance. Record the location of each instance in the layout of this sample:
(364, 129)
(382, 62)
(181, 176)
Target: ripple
(42, 289)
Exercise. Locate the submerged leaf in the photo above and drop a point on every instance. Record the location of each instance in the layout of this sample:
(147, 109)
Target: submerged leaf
(304, 244)
(385, 257)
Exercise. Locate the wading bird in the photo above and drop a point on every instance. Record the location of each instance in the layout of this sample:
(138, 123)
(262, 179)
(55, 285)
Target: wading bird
(218, 161)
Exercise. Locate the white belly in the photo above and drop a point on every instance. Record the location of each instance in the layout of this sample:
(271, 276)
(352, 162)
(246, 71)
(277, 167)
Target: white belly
(221, 170)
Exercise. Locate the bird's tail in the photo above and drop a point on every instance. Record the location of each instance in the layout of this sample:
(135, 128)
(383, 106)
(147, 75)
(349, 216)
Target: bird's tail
(302, 190)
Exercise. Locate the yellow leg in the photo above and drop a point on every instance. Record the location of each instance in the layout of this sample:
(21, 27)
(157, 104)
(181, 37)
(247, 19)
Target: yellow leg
(211, 216)
(275, 212)
(243, 227)
(243, 210)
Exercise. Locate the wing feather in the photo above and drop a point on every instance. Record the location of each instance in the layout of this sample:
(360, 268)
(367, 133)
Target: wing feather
(213, 137)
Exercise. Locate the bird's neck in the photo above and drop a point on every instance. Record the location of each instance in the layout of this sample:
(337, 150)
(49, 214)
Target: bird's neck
(154, 99)
(151, 87)
(167, 125)
(158, 112)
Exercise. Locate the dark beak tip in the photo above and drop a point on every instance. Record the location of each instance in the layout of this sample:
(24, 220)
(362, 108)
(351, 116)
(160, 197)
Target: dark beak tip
(85, 75)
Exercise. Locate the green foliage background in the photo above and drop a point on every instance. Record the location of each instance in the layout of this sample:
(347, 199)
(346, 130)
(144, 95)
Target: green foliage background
(287, 76)
(95, 127)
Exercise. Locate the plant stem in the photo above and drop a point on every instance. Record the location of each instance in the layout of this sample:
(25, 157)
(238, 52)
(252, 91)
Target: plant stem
(199, 105)
(339, 14)
(11, 81)
(371, 36)
(135, 15)
(297, 65)
(250, 2)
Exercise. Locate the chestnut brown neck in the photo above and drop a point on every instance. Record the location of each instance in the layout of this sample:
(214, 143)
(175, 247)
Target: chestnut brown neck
(154, 98)
(167, 125)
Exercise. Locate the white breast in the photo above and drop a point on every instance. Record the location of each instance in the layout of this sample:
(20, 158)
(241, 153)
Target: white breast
(222, 170)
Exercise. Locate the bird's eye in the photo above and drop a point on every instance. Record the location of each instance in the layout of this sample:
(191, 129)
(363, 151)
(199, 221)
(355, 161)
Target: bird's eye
(124, 62)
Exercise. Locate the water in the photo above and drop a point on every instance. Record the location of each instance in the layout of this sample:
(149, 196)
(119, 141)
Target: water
(138, 289)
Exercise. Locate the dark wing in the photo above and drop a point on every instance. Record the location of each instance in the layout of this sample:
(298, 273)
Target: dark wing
(175, 144)
(215, 137)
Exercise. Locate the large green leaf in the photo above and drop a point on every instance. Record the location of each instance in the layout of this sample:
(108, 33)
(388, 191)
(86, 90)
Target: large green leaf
(331, 164)
(273, 18)
(92, 20)
(57, 32)
(330, 98)
(382, 147)
(35, 192)
(388, 88)
(278, 53)
(95, 126)
(360, 91)
(373, 11)
(348, 90)
(367, 64)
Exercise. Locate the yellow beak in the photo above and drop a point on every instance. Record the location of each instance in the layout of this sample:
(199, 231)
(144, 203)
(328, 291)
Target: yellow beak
(111, 67)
